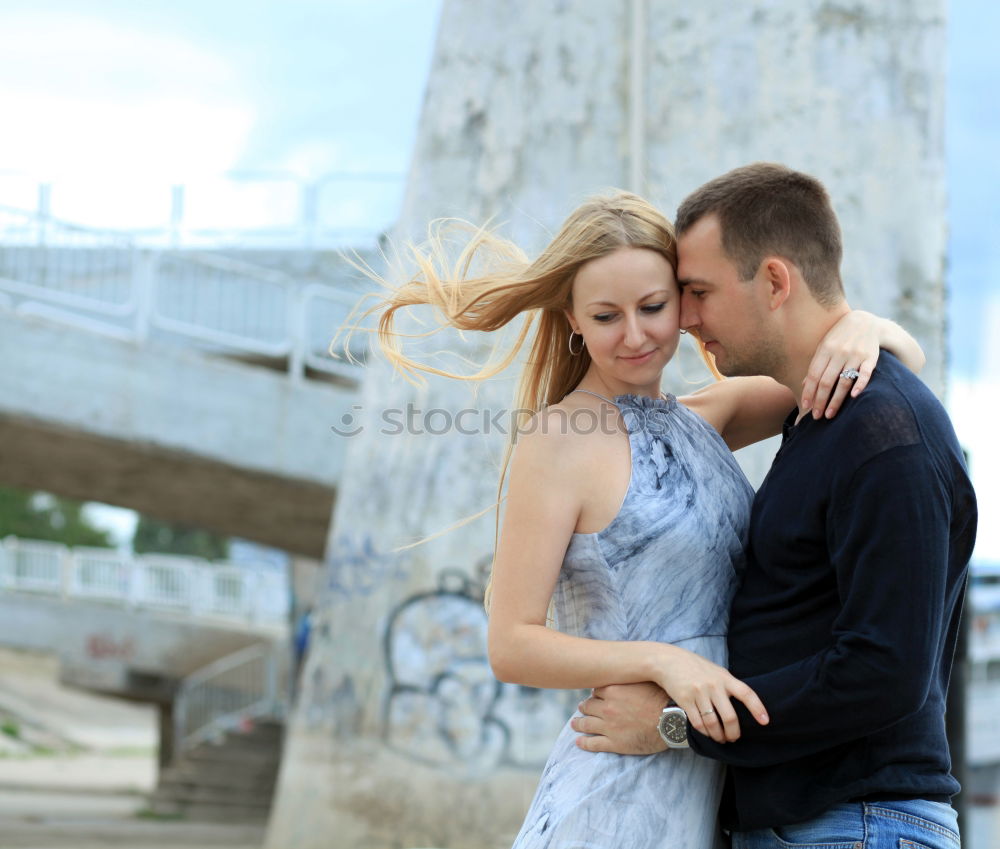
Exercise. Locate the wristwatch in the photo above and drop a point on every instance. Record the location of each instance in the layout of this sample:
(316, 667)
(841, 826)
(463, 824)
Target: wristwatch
(673, 727)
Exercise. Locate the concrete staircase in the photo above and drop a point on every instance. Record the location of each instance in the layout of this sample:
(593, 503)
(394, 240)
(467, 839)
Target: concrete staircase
(227, 781)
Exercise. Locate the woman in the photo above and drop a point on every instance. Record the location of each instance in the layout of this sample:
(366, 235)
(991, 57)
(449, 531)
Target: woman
(625, 507)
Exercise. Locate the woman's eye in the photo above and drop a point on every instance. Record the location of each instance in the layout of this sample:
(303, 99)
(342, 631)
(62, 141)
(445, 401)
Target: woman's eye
(604, 316)
(651, 308)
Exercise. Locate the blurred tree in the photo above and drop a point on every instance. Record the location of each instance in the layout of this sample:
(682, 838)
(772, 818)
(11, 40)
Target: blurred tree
(166, 538)
(38, 515)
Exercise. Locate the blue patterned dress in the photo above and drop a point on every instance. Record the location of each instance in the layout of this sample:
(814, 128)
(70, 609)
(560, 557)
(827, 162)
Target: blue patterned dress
(665, 569)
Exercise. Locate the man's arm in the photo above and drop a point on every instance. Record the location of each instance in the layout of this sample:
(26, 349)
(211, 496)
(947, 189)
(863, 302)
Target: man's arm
(622, 718)
(889, 544)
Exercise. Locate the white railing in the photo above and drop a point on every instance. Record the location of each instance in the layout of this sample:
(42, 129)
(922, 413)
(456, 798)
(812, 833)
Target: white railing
(983, 721)
(984, 610)
(259, 210)
(102, 282)
(227, 693)
(193, 587)
(982, 708)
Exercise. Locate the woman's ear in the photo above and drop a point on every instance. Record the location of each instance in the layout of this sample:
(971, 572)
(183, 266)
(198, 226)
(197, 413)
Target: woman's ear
(572, 321)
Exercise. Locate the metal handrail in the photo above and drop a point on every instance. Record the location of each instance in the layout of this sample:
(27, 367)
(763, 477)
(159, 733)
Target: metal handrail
(222, 303)
(308, 225)
(223, 695)
(187, 585)
(38, 220)
(983, 721)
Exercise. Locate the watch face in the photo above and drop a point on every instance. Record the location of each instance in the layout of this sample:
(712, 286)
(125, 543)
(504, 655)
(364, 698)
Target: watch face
(673, 727)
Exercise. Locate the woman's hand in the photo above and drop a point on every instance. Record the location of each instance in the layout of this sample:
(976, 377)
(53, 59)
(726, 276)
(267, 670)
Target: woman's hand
(703, 689)
(852, 343)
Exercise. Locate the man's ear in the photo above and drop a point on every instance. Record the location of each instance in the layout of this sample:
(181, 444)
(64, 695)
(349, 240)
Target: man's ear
(777, 274)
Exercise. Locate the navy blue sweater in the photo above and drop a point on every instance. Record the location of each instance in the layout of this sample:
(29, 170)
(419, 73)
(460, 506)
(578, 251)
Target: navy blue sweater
(846, 619)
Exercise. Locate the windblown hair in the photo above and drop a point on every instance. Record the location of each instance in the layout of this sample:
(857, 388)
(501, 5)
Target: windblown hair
(506, 285)
(767, 209)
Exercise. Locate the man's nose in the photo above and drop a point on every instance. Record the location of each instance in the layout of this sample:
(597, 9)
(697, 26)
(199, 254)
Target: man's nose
(689, 318)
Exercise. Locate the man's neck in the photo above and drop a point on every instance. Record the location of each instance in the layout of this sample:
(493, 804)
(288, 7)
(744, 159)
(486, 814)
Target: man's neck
(806, 331)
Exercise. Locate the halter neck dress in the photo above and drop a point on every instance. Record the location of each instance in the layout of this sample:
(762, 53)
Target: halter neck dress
(664, 569)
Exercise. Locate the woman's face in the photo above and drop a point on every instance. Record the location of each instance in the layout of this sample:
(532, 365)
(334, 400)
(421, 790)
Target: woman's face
(626, 305)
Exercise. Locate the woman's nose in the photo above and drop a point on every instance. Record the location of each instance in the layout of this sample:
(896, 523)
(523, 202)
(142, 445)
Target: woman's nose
(634, 334)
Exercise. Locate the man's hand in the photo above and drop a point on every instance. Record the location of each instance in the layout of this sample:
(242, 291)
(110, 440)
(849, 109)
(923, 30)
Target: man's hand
(622, 718)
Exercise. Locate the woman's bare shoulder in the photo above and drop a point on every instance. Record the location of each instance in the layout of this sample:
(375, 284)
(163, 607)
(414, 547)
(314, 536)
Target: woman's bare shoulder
(571, 431)
(720, 401)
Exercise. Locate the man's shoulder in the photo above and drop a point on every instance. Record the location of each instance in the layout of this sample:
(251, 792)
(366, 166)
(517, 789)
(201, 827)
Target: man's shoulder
(894, 387)
(893, 378)
(896, 409)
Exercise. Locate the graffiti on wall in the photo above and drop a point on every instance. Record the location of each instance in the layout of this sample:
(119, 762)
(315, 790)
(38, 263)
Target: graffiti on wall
(357, 568)
(328, 695)
(443, 705)
(104, 646)
(333, 703)
(440, 704)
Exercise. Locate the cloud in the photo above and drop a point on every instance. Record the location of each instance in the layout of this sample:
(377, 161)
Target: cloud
(57, 137)
(81, 95)
(968, 403)
(80, 55)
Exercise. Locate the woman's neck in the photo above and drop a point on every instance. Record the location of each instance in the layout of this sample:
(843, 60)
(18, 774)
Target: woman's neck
(594, 381)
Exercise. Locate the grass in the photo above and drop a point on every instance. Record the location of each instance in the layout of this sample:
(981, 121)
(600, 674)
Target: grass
(11, 729)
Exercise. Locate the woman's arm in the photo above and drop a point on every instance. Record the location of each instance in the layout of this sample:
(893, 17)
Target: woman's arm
(748, 409)
(841, 348)
(547, 475)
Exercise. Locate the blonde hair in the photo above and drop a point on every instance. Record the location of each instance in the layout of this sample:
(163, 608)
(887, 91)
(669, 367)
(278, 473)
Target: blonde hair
(507, 285)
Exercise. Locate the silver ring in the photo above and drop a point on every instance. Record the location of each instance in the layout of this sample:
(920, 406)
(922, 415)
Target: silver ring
(707, 712)
(850, 374)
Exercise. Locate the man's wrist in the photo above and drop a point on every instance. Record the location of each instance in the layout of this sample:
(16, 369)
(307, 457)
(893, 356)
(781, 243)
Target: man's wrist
(673, 727)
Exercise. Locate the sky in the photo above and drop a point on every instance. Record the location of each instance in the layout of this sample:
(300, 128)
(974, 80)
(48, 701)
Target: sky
(193, 87)
(113, 98)
(972, 141)
(102, 97)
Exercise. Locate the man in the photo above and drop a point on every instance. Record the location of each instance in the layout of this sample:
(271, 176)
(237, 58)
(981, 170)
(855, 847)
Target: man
(846, 620)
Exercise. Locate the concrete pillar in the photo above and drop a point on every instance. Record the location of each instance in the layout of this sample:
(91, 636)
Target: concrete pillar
(401, 738)
(166, 751)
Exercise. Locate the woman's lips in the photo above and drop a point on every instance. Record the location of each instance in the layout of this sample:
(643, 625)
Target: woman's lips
(641, 358)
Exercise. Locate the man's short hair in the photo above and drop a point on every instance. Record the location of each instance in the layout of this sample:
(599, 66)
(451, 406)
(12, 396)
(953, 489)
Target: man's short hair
(767, 209)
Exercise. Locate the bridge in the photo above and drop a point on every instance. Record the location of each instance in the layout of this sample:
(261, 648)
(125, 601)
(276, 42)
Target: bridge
(190, 386)
(207, 643)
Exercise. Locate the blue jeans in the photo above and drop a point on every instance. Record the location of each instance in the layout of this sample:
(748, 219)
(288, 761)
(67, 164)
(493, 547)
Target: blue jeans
(911, 824)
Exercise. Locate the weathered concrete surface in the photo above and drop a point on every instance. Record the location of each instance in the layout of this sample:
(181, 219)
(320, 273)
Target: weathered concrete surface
(69, 722)
(100, 763)
(850, 92)
(133, 653)
(401, 737)
(169, 432)
(33, 818)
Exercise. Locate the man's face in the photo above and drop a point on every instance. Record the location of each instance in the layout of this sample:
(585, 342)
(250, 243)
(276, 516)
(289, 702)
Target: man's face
(725, 312)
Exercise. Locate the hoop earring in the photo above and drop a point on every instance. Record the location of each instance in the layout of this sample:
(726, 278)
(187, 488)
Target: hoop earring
(569, 343)
(684, 331)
